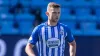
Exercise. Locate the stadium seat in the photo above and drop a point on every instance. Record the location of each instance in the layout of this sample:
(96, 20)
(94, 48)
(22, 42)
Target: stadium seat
(13, 2)
(4, 10)
(96, 3)
(67, 17)
(77, 32)
(0, 24)
(4, 3)
(40, 3)
(82, 11)
(26, 9)
(70, 24)
(97, 9)
(26, 3)
(83, 14)
(88, 27)
(64, 3)
(43, 14)
(66, 14)
(82, 3)
(65, 11)
(7, 24)
(25, 22)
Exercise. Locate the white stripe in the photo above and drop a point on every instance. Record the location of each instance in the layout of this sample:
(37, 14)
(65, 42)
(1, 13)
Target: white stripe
(44, 44)
(40, 47)
(62, 36)
(49, 36)
(56, 35)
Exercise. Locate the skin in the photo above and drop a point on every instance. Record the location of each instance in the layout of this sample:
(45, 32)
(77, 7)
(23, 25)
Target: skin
(53, 17)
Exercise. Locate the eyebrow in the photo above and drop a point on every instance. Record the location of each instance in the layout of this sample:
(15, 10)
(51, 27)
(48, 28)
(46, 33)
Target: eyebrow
(55, 12)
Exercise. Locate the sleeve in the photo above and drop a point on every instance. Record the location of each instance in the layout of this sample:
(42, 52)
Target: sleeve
(69, 36)
(34, 36)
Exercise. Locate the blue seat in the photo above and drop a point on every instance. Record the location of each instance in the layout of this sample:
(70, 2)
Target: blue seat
(43, 14)
(4, 3)
(13, 2)
(88, 26)
(40, 3)
(26, 3)
(66, 14)
(3, 9)
(67, 17)
(25, 22)
(65, 11)
(96, 3)
(7, 24)
(81, 3)
(64, 3)
(97, 33)
(77, 32)
(7, 27)
(26, 10)
(25, 16)
(70, 24)
(82, 13)
(97, 11)
(6, 16)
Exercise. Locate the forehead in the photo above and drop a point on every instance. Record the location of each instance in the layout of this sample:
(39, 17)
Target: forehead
(54, 9)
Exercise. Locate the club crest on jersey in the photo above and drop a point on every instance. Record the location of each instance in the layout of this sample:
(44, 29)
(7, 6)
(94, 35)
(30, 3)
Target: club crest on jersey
(53, 42)
(62, 32)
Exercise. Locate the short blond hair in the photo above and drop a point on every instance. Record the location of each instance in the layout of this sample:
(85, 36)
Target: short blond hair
(53, 5)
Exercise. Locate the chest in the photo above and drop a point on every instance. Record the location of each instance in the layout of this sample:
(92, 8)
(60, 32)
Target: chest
(52, 32)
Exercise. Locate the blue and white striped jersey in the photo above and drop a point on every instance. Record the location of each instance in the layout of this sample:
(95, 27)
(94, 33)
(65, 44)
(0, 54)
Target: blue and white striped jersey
(51, 39)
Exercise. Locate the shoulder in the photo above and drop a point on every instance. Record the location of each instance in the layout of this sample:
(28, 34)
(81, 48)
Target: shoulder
(39, 26)
(63, 25)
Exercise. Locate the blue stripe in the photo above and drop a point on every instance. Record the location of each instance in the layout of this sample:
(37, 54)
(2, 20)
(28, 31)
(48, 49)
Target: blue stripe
(59, 36)
(53, 35)
(64, 40)
(38, 48)
(52, 31)
(46, 38)
(41, 44)
(40, 39)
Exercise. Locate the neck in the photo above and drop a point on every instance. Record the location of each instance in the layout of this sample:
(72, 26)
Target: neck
(50, 23)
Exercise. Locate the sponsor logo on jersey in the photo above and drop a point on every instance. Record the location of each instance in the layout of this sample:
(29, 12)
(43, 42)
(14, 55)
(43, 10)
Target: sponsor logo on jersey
(53, 43)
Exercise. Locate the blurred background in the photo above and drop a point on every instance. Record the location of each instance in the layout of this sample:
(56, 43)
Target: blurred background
(19, 17)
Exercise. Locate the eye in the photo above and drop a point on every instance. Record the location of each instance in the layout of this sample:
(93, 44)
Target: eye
(58, 12)
(54, 12)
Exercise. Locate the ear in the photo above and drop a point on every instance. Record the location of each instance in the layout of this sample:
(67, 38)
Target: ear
(47, 13)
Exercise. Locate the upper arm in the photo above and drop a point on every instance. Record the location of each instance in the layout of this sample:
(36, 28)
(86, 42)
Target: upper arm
(69, 35)
(34, 36)
(29, 45)
(73, 43)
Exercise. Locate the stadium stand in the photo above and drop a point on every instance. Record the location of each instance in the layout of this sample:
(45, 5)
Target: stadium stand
(7, 24)
(25, 22)
(82, 16)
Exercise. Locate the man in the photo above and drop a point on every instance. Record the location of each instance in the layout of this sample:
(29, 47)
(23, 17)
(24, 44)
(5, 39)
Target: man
(51, 35)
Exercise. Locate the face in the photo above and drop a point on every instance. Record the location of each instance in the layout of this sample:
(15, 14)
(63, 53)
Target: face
(53, 14)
